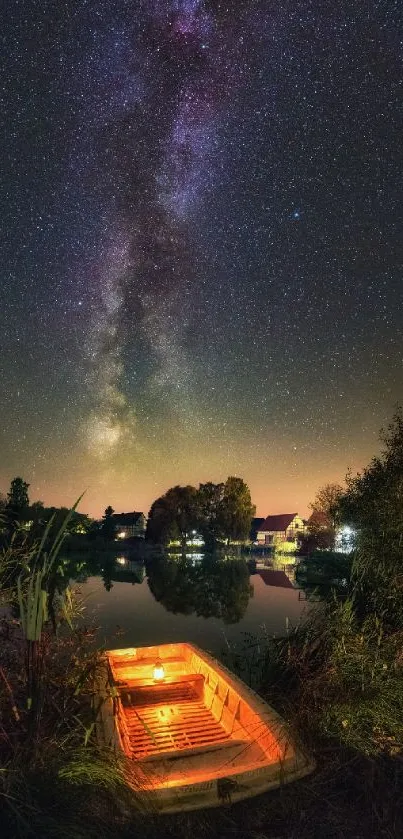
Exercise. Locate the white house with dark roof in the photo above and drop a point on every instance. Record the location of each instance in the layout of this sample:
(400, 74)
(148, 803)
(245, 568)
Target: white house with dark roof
(284, 527)
(129, 524)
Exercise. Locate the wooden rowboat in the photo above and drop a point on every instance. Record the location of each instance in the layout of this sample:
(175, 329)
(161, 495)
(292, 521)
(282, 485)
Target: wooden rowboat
(195, 734)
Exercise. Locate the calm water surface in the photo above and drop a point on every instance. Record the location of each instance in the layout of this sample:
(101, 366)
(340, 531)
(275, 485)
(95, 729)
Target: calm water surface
(209, 603)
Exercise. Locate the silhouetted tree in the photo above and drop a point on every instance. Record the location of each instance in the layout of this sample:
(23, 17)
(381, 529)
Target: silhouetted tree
(173, 515)
(236, 510)
(183, 502)
(372, 505)
(17, 495)
(217, 511)
(40, 516)
(108, 527)
(327, 502)
(209, 498)
(17, 501)
(160, 525)
(321, 530)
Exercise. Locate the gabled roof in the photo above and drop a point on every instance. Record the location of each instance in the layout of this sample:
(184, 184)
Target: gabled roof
(257, 521)
(277, 523)
(127, 518)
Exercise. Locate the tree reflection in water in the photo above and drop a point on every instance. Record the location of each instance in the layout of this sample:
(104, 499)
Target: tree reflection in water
(213, 587)
(324, 575)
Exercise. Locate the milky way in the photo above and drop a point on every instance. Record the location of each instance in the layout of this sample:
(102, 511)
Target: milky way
(158, 150)
(201, 245)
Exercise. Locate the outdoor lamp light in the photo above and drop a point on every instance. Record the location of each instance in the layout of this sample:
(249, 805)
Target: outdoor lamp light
(159, 672)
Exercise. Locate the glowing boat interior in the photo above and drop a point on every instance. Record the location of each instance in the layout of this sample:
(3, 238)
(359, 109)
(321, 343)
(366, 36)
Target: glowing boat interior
(176, 706)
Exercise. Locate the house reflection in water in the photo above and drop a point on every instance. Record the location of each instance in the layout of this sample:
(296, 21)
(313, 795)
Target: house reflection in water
(278, 579)
(276, 572)
(128, 570)
(121, 569)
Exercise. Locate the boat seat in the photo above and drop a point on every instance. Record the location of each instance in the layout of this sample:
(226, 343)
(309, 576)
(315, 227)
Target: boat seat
(185, 688)
(219, 746)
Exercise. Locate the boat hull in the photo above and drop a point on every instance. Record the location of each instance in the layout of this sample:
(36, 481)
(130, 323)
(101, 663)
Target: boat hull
(224, 745)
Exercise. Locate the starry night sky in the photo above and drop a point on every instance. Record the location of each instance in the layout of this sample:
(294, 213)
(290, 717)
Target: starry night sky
(201, 242)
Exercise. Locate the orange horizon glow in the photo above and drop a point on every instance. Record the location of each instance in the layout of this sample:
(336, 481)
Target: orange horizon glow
(282, 477)
(289, 493)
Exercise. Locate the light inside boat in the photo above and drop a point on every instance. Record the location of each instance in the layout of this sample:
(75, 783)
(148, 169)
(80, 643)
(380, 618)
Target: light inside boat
(158, 672)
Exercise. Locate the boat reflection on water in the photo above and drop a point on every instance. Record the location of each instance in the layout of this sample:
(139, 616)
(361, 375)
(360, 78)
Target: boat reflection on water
(207, 587)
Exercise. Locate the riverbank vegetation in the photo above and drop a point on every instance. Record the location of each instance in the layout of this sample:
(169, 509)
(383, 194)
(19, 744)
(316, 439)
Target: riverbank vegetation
(337, 678)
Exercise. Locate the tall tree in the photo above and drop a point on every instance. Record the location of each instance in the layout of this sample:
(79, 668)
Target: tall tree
(209, 498)
(183, 502)
(373, 505)
(173, 514)
(326, 504)
(17, 500)
(217, 511)
(160, 524)
(322, 522)
(236, 510)
(108, 527)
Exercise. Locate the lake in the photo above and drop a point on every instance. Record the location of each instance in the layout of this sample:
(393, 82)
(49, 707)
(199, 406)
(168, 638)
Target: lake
(210, 602)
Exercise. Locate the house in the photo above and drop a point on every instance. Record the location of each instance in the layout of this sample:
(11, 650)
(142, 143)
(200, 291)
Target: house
(129, 524)
(284, 527)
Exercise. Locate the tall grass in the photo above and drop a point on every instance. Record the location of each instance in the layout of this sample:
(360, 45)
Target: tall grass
(46, 710)
(59, 783)
(36, 595)
(340, 679)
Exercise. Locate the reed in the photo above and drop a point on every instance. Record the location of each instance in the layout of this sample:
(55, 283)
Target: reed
(36, 593)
